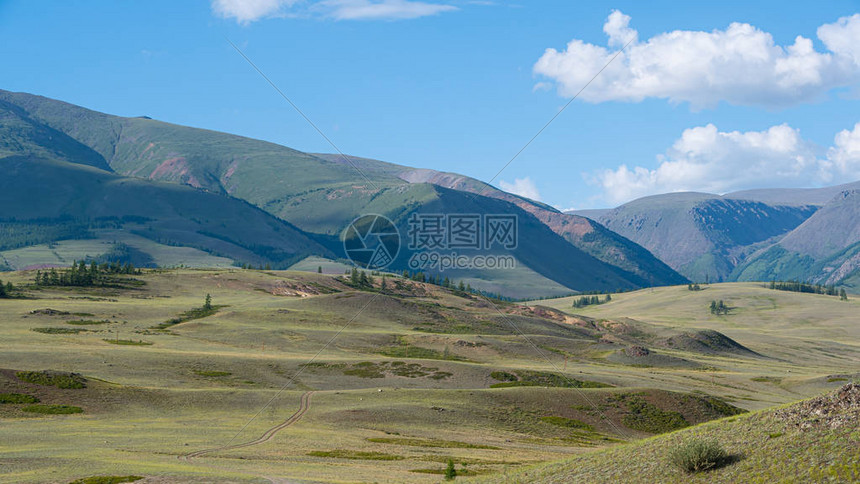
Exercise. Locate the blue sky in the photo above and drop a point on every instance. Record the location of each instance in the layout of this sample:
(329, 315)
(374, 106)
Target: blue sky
(691, 104)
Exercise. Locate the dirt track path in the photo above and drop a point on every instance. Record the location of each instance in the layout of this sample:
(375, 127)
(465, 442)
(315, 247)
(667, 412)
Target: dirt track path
(304, 406)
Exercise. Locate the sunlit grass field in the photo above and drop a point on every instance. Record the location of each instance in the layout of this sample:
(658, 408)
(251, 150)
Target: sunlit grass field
(403, 379)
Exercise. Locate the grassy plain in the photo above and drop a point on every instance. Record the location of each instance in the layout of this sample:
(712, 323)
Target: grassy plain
(230, 377)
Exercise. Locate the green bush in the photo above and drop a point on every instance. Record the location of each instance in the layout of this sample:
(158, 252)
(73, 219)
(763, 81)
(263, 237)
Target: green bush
(503, 376)
(60, 330)
(53, 409)
(127, 342)
(53, 378)
(698, 456)
(17, 398)
(566, 422)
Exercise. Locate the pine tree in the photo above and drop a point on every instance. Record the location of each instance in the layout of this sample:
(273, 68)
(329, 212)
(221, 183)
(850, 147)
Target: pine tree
(450, 471)
(382, 284)
(3, 292)
(363, 279)
(207, 305)
(353, 277)
(319, 269)
(461, 287)
(713, 307)
(843, 295)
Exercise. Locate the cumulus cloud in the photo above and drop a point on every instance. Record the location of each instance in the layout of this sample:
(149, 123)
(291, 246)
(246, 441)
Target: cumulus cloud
(523, 187)
(843, 159)
(247, 11)
(705, 159)
(741, 65)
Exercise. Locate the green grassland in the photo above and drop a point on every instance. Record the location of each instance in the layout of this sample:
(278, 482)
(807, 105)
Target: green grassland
(402, 379)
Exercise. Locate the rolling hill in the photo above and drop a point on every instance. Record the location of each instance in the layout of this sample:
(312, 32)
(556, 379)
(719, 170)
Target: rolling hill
(321, 194)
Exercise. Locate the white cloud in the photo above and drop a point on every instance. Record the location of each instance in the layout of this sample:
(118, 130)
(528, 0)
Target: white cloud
(523, 187)
(707, 160)
(843, 158)
(617, 27)
(247, 11)
(843, 37)
(741, 65)
(385, 9)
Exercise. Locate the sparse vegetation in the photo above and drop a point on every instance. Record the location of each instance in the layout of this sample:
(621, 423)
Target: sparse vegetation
(197, 313)
(566, 422)
(646, 417)
(53, 378)
(15, 398)
(127, 342)
(527, 378)
(212, 373)
(60, 330)
(107, 480)
(354, 455)
(53, 409)
(432, 443)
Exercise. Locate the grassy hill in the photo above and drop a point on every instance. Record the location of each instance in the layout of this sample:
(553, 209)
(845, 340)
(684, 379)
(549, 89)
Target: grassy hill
(400, 379)
(811, 441)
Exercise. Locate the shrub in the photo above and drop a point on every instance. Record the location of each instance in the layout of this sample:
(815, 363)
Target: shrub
(127, 342)
(53, 409)
(698, 456)
(566, 422)
(17, 398)
(53, 378)
(60, 330)
(503, 376)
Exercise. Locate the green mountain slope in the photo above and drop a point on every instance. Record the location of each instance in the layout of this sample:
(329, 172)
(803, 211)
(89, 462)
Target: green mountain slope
(583, 233)
(824, 249)
(38, 191)
(702, 236)
(323, 194)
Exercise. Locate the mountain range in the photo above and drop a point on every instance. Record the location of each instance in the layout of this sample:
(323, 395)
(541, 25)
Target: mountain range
(811, 235)
(72, 174)
(258, 203)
